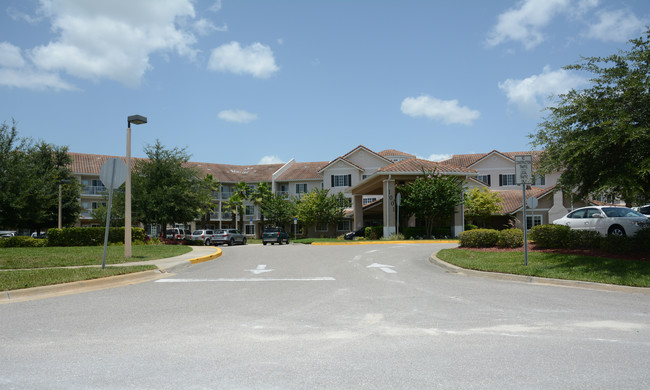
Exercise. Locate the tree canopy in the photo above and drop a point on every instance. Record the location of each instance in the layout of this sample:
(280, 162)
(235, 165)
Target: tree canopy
(30, 175)
(278, 210)
(599, 137)
(432, 198)
(165, 190)
(481, 203)
(319, 207)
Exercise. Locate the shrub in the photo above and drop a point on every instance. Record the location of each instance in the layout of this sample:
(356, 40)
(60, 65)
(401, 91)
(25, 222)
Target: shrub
(22, 242)
(511, 238)
(479, 238)
(642, 240)
(393, 237)
(584, 239)
(90, 236)
(374, 232)
(550, 236)
(469, 226)
(414, 232)
(617, 244)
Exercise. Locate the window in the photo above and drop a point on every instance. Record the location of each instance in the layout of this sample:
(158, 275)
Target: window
(532, 221)
(341, 180)
(250, 210)
(322, 227)
(485, 179)
(301, 188)
(507, 180)
(343, 226)
(365, 201)
(539, 180)
(250, 230)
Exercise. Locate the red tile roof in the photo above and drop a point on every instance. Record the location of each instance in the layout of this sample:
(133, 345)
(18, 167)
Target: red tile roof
(467, 160)
(512, 200)
(393, 152)
(303, 171)
(415, 165)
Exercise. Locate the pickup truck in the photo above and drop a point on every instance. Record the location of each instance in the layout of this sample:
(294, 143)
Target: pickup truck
(273, 235)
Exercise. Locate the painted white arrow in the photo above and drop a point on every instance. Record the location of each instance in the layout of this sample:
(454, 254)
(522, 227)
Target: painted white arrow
(383, 267)
(259, 270)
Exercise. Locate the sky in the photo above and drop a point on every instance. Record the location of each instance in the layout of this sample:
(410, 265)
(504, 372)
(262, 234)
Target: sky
(257, 81)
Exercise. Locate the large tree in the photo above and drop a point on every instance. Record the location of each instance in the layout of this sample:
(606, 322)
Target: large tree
(481, 203)
(319, 207)
(432, 198)
(279, 210)
(599, 137)
(166, 190)
(260, 196)
(30, 175)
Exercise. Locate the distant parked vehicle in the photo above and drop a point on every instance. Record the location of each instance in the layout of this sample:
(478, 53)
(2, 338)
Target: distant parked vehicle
(606, 220)
(7, 234)
(645, 210)
(357, 233)
(207, 236)
(42, 235)
(178, 234)
(273, 235)
(229, 236)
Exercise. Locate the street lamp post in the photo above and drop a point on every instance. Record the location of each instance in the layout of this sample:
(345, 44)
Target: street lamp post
(136, 120)
(61, 182)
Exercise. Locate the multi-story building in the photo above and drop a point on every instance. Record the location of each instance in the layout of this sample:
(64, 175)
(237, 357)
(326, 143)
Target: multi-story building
(367, 178)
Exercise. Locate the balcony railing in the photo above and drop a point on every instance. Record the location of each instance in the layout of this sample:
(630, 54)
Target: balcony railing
(93, 190)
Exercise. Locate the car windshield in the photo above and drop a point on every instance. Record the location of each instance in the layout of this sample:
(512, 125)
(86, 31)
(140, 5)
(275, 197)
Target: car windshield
(621, 212)
(197, 232)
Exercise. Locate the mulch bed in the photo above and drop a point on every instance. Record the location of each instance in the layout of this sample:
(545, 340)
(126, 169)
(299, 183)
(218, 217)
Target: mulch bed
(582, 252)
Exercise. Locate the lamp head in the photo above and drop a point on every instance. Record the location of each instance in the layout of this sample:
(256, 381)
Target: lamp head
(137, 119)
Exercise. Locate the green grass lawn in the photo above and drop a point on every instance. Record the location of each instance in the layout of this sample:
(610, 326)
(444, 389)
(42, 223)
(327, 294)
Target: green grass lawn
(21, 258)
(553, 265)
(33, 267)
(18, 279)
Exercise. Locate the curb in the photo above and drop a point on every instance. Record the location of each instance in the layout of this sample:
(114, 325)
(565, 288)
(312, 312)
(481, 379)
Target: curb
(433, 259)
(55, 290)
(387, 242)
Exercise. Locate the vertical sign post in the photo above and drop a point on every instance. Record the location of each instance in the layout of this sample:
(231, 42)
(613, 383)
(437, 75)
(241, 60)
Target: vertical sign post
(524, 176)
(112, 175)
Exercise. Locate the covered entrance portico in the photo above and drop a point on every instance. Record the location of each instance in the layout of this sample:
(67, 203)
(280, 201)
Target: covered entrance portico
(385, 181)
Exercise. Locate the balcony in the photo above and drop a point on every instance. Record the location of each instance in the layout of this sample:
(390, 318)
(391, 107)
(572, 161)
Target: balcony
(94, 190)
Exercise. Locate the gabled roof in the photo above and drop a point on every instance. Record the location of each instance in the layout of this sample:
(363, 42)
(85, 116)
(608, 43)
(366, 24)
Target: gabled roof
(394, 153)
(343, 159)
(415, 166)
(303, 171)
(512, 200)
(468, 160)
(361, 147)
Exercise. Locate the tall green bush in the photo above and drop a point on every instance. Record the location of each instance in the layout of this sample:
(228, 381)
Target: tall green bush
(511, 238)
(550, 236)
(90, 236)
(22, 242)
(479, 238)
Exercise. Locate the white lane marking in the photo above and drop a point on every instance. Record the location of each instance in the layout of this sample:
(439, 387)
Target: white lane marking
(386, 268)
(372, 251)
(259, 270)
(316, 279)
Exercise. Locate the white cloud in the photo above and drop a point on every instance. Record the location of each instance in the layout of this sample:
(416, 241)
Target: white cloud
(447, 111)
(271, 160)
(616, 26)
(108, 39)
(10, 56)
(31, 79)
(532, 93)
(439, 157)
(255, 59)
(239, 116)
(524, 23)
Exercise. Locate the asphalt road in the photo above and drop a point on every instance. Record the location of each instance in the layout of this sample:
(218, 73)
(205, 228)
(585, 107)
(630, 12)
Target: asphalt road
(323, 317)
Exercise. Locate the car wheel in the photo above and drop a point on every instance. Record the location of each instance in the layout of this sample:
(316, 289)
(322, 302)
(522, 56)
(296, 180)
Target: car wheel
(616, 230)
(231, 242)
(207, 242)
(263, 243)
(273, 243)
(279, 241)
(244, 241)
(287, 241)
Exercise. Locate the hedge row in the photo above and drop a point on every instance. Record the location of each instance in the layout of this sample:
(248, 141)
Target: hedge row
(22, 242)
(90, 236)
(562, 237)
(486, 238)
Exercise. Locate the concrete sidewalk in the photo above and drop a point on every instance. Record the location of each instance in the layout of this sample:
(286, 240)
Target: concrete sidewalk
(198, 254)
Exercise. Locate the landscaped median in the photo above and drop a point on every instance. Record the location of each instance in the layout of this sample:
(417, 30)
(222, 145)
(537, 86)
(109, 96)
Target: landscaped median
(32, 267)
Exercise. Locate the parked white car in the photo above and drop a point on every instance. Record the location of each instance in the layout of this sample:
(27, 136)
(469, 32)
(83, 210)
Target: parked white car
(606, 220)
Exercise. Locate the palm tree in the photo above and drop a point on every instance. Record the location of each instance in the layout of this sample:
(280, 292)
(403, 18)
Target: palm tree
(242, 190)
(234, 205)
(259, 196)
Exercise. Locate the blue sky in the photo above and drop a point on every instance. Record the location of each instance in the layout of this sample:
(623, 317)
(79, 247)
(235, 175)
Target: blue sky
(246, 82)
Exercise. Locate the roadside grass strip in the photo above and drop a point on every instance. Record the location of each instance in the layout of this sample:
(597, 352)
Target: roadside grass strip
(20, 279)
(553, 265)
(48, 257)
